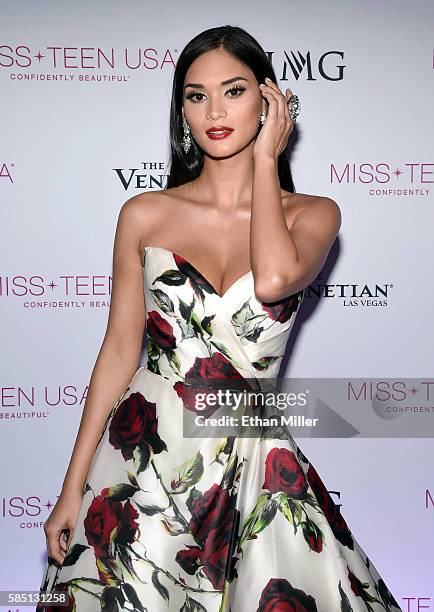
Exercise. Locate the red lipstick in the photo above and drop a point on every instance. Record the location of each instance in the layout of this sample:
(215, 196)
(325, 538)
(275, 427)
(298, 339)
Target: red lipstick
(218, 132)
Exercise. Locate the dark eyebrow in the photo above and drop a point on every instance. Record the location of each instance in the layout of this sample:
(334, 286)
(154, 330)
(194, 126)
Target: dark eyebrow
(237, 78)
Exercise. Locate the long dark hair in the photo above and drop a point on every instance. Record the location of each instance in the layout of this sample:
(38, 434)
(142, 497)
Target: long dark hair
(240, 44)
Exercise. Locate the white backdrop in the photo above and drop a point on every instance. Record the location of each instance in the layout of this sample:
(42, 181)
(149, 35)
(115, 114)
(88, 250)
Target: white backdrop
(82, 131)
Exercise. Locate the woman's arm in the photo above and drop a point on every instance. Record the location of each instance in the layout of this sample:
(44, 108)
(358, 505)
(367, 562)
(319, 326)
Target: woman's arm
(287, 260)
(119, 356)
(284, 259)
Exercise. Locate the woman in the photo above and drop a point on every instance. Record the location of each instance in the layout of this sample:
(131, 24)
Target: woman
(163, 515)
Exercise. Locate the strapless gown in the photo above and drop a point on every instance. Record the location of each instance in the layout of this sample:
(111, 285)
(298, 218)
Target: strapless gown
(207, 523)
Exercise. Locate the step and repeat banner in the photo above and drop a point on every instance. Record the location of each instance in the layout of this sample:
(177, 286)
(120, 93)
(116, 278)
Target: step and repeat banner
(85, 96)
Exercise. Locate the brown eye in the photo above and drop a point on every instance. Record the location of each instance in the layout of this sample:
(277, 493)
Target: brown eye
(235, 92)
(238, 90)
(192, 94)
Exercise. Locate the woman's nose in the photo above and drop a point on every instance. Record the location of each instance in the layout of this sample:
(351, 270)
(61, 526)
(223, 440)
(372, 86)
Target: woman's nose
(215, 111)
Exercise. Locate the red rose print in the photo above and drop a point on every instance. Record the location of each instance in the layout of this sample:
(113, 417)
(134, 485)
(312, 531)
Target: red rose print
(279, 596)
(160, 330)
(315, 542)
(128, 526)
(282, 310)
(133, 423)
(214, 525)
(312, 536)
(190, 560)
(283, 474)
(209, 511)
(330, 509)
(217, 554)
(103, 517)
(205, 376)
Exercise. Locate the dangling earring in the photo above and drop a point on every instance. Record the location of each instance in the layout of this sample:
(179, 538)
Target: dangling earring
(262, 117)
(186, 141)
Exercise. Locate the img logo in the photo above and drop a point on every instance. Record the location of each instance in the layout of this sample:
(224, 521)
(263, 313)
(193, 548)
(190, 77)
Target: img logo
(294, 64)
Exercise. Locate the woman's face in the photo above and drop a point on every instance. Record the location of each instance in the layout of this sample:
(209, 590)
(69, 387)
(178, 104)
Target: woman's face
(208, 103)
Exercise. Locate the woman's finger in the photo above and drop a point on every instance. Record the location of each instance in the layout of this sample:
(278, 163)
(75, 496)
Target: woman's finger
(271, 97)
(273, 85)
(53, 546)
(288, 97)
(48, 546)
(281, 98)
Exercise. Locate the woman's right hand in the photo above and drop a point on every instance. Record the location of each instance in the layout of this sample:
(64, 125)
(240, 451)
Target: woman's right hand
(63, 517)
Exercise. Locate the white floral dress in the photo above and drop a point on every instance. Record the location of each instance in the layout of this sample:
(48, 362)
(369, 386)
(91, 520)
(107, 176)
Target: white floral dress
(207, 524)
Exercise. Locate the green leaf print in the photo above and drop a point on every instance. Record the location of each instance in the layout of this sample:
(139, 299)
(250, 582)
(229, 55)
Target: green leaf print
(152, 349)
(163, 301)
(194, 495)
(259, 518)
(286, 507)
(133, 479)
(74, 553)
(223, 450)
(160, 587)
(291, 509)
(191, 605)
(189, 473)
(226, 352)
(171, 277)
(141, 455)
(263, 363)
(121, 492)
(132, 596)
(189, 324)
(345, 602)
(196, 325)
(246, 323)
(174, 362)
(232, 474)
(206, 324)
(149, 510)
(106, 573)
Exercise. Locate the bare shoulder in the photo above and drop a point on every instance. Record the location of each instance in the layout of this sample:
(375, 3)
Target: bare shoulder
(322, 208)
(144, 204)
(146, 211)
(136, 217)
(152, 203)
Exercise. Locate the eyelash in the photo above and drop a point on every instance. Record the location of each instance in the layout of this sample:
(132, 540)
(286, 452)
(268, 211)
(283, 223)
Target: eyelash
(239, 88)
